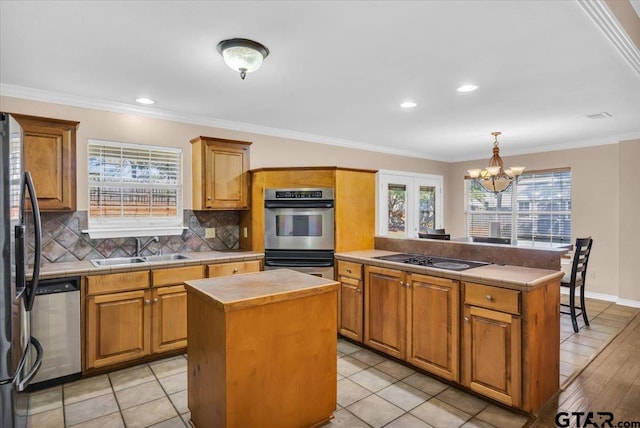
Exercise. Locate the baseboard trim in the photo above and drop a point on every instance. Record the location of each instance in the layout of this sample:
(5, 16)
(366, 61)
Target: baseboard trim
(606, 297)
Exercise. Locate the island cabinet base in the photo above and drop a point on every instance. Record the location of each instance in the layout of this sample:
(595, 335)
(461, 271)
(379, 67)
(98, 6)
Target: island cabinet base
(271, 365)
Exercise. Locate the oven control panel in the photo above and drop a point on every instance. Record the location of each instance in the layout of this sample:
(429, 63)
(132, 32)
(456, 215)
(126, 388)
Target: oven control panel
(325, 193)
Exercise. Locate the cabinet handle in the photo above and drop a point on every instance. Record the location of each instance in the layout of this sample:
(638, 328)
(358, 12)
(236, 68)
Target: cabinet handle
(209, 198)
(348, 270)
(147, 301)
(489, 297)
(155, 300)
(235, 270)
(358, 290)
(466, 319)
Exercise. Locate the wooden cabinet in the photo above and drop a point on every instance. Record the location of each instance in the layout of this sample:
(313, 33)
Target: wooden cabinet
(433, 325)
(220, 174)
(350, 300)
(117, 325)
(385, 310)
(232, 268)
(492, 342)
(169, 307)
(50, 157)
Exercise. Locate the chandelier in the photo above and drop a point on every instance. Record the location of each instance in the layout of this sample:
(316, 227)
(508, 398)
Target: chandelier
(243, 55)
(494, 178)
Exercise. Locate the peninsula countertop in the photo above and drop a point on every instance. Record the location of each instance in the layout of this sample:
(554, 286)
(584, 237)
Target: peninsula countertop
(506, 276)
(260, 288)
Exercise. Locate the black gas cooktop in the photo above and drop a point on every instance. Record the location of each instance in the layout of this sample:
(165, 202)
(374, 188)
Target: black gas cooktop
(432, 261)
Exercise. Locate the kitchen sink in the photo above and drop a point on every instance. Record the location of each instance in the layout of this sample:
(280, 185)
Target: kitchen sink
(123, 261)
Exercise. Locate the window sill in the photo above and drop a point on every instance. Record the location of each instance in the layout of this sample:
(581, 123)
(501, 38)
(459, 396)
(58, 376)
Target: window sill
(126, 233)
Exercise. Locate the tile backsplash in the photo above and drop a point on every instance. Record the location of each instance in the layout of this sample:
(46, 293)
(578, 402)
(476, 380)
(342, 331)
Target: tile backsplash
(63, 240)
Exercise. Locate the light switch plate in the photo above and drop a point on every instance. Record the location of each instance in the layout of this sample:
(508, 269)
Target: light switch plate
(210, 232)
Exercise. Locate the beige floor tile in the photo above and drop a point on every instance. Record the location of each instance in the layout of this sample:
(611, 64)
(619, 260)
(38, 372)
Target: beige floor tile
(571, 358)
(440, 414)
(45, 400)
(368, 357)
(592, 338)
(349, 365)
(169, 366)
(174, 383)
(372, 379)
(567, 369)
(464, 401)
(90, 409)
(408, 421)
(149, 413)
(604, 321)
(345, 419)
(502, 418)
(131, 376)
(139, 394)
(349, 392)
(49, 419)
(425, 383)
(179, 400)
(477, 423)
(404, 396)
(176, 422)
(394, 369)
(375, 411)
(186, 417)
(578, 348)
(84, 389)
(604, 328)
(347, 347)
(609, 314)
(112, 420)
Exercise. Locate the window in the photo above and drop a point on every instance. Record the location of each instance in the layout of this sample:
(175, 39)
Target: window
(408, 203)
(536, 210)
(134, 190)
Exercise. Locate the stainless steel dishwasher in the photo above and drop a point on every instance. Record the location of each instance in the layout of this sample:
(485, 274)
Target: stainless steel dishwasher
(55, 321)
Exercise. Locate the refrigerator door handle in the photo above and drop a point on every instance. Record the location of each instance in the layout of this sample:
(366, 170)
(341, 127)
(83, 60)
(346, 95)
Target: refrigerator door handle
(30, 291)
(21, 383)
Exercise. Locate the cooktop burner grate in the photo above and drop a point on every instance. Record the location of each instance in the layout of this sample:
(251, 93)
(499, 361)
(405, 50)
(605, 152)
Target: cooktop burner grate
(432, 261)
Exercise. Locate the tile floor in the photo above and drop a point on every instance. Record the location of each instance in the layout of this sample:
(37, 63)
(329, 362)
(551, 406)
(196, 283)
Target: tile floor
(373, 391)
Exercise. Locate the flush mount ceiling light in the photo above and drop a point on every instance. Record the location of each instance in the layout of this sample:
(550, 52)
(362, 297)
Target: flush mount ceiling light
(493, 178)
(467, 88)
(243, 55)
(145, 101)
(408, 104)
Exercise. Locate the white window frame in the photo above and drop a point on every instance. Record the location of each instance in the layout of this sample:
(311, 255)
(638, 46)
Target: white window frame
(412, 181)
(100, 228)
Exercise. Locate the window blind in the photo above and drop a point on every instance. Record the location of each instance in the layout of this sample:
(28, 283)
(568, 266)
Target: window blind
(132, 186)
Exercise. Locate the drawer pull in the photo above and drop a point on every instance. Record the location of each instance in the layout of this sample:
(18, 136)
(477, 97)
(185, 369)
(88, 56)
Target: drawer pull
(235, 270)
(348, 270)
(466, 319)
(489, 297)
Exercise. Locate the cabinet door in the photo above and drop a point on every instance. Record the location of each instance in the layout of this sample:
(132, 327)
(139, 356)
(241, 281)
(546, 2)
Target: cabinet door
(226, 185)
(433, 324)
(169, 317)
(350, 311)
(385, 310)
(117, 328)
(492, 365)
(224, 269)
(50, 156)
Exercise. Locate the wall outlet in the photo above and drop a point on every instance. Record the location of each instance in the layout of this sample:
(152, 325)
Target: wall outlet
(210, 232)
(244, 232)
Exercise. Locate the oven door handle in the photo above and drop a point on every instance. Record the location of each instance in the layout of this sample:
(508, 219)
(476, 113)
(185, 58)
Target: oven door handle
(299, 204)
(298, 263)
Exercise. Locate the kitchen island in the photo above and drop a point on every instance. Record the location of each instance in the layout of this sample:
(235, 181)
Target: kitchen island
(262, 350)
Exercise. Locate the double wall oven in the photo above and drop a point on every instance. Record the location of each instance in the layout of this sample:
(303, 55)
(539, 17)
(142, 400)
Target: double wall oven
(299, 230)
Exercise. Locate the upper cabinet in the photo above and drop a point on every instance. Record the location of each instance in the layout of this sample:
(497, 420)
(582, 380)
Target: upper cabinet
(220, 174)
(50, 157)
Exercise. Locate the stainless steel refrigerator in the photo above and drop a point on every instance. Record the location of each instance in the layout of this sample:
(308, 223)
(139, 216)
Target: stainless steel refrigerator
(17, 296)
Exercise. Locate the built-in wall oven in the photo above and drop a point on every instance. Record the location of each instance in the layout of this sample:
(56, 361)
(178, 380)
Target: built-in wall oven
(299, 230)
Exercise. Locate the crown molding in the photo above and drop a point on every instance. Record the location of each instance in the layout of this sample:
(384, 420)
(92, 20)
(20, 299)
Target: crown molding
(604, 19)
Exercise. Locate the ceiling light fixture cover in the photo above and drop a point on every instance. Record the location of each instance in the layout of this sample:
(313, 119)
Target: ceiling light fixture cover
(243, 55)
(408, 104)
(467, 88)
(145, 101)
(493, 178)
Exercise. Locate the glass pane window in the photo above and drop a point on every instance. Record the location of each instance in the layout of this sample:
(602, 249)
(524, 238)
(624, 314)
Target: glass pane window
(397, 209)
(427, 208)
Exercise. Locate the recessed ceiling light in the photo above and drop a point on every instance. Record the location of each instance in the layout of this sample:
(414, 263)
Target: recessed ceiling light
(408, 104)
(467, 88)
(145, 101)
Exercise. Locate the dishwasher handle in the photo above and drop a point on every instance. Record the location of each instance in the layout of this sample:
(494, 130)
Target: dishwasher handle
(58, 285)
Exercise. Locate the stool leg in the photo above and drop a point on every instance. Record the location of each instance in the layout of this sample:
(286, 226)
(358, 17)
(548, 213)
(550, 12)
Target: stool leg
(584, 307)
(572, 308)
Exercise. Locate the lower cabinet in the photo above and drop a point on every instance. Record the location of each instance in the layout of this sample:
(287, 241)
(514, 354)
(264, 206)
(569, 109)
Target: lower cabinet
(433, 327)
(385, 314)
(350, 300)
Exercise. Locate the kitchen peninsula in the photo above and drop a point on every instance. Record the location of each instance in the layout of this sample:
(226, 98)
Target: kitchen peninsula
(262, 347)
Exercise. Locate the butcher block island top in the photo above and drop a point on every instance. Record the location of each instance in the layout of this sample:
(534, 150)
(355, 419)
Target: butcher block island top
(262, 350)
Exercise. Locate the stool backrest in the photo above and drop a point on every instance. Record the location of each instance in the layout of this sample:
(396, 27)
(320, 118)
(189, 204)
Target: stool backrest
(581, 259)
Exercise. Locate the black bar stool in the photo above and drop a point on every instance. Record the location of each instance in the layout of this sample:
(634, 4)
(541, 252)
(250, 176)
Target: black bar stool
(576, 280)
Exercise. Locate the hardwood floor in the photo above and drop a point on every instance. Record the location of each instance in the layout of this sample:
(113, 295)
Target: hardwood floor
(610, 383)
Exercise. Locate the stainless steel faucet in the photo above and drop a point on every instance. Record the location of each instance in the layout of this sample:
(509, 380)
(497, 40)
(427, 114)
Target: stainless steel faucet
(140, 248)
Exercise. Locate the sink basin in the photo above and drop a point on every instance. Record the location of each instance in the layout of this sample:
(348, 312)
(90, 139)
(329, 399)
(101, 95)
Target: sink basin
(116, 261)
(166, 258)
(123, 261)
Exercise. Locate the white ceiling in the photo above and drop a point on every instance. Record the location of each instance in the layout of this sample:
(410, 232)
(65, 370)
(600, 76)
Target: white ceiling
(338, 70)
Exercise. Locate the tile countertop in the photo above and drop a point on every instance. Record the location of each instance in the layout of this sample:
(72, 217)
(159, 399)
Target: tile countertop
(506, 276)
(84, 268)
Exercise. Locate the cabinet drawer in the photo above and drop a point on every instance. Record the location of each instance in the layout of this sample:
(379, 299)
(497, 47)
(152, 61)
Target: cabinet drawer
(223, 269)
(160, 277)
(501, 299)
(103, 284)
(350, 269)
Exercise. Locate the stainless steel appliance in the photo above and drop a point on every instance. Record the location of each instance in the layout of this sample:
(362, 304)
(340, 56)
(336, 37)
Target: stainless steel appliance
(433, 261)
(17, 298)
(299, 230)
(55, 321)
